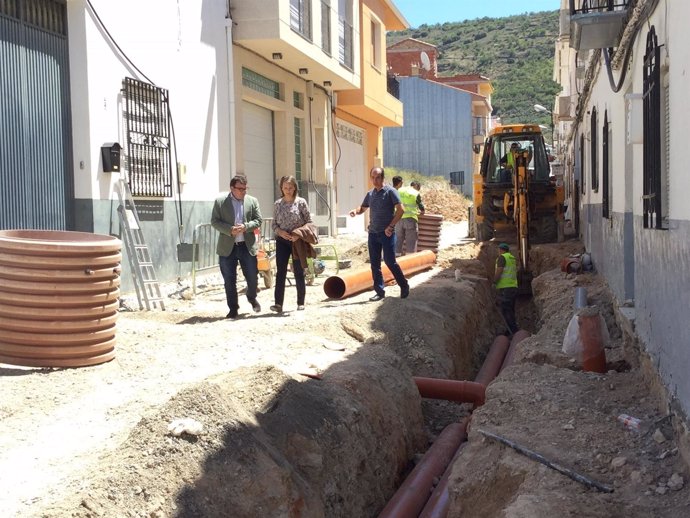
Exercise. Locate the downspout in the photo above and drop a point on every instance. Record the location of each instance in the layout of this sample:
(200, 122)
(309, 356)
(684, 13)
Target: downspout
(232, 108)
(330, 166)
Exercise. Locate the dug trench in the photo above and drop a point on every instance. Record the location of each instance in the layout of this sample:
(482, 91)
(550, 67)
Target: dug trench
(321, 417)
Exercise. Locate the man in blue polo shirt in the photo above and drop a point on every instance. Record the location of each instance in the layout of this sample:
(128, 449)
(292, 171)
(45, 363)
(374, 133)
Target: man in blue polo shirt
(386, 211)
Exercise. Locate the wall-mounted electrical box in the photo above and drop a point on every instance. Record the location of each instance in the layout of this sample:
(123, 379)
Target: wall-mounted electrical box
(110, 156)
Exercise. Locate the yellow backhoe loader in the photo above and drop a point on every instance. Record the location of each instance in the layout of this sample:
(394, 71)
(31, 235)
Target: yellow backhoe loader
(515, 193)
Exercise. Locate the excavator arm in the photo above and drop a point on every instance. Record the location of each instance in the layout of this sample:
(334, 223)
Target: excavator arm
(521, 215)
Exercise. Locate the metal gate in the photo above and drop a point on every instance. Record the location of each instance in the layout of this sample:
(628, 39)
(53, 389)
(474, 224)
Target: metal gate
(36, 180)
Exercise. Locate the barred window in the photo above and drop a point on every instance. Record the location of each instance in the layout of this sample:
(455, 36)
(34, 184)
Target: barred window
(147, 119)
(582, 164)
(593, 150)
(605, 200)
(655, 175)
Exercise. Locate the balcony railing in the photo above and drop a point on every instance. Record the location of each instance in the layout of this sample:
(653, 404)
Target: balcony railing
(393, 86)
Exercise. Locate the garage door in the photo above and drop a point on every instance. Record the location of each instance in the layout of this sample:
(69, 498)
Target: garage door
(35, 137)
(352, 173)
(257, 124)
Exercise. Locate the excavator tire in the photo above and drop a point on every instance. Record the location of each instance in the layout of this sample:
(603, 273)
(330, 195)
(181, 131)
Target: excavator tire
(485, 231)
(544, 230)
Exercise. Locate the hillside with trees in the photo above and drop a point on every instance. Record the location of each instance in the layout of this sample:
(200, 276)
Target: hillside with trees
(515, 52)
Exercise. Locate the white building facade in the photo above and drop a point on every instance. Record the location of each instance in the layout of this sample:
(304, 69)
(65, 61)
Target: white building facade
(621, 121)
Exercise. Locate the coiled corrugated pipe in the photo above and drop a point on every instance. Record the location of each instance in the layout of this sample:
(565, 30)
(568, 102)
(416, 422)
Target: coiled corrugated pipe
(429, 232)
(59, 295)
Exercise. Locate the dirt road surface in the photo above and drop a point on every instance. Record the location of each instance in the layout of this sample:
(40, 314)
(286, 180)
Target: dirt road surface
(314, 413)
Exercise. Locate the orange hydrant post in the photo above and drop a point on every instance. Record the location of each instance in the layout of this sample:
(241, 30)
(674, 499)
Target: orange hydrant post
(593, 355)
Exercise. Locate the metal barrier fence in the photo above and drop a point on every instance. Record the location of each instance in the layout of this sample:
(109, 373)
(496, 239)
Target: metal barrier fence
(204, 255)
(203, 250)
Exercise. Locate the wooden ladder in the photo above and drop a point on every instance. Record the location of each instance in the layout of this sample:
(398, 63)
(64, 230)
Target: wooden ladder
(144, 275)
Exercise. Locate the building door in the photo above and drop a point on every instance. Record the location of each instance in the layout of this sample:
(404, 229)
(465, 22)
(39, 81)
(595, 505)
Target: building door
(351, 171)
(36, 180)
(259, 162)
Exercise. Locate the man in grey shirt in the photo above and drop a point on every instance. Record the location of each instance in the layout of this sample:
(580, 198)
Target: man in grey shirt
(386, 211)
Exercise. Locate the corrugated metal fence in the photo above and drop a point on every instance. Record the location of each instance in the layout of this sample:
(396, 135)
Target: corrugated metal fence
(36, 179)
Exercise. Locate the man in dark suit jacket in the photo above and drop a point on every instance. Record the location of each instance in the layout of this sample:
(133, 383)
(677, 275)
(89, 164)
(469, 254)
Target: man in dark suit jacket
(235, 216)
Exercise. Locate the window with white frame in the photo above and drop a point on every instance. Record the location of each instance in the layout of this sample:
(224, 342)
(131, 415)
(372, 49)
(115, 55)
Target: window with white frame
(300, 17)
(376, 35)
(345, 34)
(326, 26)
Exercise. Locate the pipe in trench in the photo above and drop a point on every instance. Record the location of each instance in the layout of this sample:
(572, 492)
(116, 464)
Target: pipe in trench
(439, 502)
(407, 503)
(517, 338)
(494, 360)
(410, 498)
(451, 390)
(350, 283)
(580, 297)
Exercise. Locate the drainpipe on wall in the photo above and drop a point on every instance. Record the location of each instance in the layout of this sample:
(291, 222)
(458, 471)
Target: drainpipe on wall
(232, 108)
(330, 160)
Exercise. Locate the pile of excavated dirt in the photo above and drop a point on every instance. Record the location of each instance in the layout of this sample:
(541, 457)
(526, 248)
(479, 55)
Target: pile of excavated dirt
(447, 203)
(315, 412)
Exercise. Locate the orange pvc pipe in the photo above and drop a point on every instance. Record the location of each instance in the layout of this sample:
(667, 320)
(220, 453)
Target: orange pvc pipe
(451, 390)
(517, 338)
(410, 498)
(593, 356)
(349, 283)
(494, 360)
(439, 502)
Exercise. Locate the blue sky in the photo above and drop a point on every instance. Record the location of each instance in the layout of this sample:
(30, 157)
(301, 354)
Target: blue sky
(418, 12)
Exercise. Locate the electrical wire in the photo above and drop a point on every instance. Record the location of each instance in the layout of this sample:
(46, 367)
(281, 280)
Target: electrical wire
(311, 155)
(178, 205)
(644, 16)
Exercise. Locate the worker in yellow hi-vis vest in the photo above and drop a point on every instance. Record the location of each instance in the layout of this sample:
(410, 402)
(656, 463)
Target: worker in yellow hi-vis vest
(505, 277)
(406, 229)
